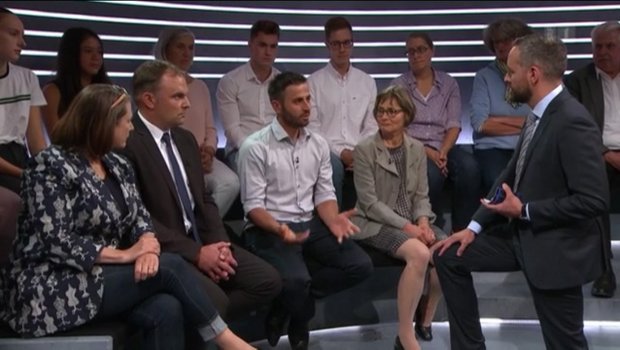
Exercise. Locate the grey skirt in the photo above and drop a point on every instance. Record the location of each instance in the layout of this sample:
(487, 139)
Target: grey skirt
(389, 239)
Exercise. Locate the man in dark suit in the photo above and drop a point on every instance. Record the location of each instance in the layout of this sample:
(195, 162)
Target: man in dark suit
(166, 159)
(596, 87)
(555, 194)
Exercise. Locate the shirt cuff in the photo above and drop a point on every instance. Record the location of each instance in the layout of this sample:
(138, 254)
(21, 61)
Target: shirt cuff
(474, 226)
(526, 211)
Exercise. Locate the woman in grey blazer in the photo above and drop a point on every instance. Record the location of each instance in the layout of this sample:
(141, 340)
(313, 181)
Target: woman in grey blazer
(393, 209)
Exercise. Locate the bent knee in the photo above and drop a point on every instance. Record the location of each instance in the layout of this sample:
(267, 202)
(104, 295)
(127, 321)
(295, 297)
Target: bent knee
(415, 252)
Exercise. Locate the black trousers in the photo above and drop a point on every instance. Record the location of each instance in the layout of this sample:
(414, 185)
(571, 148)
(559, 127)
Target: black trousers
(613, 175)
(560, 311)
(255, 283)
(314, 269)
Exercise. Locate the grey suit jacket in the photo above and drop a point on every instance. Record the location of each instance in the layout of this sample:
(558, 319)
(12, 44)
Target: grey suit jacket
(587, 88)
(377, 183)
(565, 184)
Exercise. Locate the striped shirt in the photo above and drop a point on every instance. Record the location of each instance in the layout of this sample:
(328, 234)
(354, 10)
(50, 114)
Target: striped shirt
(435, 113)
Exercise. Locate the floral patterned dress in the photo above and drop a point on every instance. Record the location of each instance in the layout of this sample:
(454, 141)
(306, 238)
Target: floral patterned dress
(52, 282)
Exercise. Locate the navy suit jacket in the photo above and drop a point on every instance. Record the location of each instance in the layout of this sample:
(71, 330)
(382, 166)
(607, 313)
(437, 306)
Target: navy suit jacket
(587, 88)
(160, 196)
(565, 184)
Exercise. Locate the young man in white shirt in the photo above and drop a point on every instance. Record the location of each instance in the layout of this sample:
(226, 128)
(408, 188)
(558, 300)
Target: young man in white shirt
(341, 108)
(242, 99)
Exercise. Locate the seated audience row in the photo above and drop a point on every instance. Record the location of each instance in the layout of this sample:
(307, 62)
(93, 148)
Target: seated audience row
(157, 229)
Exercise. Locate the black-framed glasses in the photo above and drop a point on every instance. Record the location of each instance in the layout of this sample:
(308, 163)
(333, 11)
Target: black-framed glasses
(390, 112)
(420, 50)
(335, 44)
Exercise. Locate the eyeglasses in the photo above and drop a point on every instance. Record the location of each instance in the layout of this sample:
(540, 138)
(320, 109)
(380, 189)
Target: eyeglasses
(338, 44)
(419, 50)
(390, 112)
(122, 93)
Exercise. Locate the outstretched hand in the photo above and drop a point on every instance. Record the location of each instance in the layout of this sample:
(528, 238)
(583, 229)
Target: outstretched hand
(342, 227)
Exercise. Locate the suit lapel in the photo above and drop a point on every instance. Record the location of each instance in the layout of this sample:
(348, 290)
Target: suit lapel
(383, 156)
(544, 122)
(595, 89)
(160, 166)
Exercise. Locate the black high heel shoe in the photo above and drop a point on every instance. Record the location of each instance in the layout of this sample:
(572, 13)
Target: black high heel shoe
(398, 345)
(424, 333)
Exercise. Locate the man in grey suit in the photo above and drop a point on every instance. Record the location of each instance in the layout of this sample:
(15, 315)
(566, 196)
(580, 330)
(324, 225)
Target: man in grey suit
(554, 194)
(597, 87)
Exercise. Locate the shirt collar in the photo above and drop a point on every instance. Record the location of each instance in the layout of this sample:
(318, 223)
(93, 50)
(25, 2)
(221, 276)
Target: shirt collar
(437, 79)
(156, 132)
(251, 76)
(280, 134)
(542, 105)
(336, 74)
(600, 74)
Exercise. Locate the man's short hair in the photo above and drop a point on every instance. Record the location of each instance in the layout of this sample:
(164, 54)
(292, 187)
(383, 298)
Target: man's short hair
(545, 51)
(264, 26)
(336, 23)
(148, 75)
(281, 82)
(606, 27)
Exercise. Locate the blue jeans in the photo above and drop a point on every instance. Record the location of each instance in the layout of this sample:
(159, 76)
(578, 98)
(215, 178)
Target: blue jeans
(314, 269)
(162, 304)
(464, 175)
(491, 163)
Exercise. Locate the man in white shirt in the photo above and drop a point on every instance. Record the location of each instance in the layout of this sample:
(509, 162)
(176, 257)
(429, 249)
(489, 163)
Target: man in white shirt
(341, 108)
(597, 87)
(242, 99)
(285, 178)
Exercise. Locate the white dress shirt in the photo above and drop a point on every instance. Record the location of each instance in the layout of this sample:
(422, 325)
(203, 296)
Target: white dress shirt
(287, 179)
(342, 106)
(243, 104)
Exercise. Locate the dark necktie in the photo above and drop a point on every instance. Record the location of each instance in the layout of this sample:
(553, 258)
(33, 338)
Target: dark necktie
(180, 185)
(530, 127)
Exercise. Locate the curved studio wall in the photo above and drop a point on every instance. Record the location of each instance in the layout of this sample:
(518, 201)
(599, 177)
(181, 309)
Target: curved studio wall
(129, 30)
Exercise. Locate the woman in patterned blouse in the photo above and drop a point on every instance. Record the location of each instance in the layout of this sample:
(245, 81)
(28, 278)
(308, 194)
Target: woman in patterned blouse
(85, 248)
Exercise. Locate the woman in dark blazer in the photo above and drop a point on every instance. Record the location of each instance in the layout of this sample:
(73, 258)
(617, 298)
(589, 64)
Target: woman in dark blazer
(393, 209)
(85, 247)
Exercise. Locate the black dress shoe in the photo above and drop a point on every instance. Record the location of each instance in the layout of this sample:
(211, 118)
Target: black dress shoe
(274, 325)
(424, 333)
(604, 286)
(398, 345)
(298, 335)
